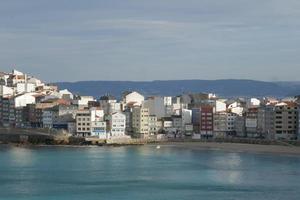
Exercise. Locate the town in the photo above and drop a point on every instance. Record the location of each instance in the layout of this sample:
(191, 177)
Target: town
(28, 103)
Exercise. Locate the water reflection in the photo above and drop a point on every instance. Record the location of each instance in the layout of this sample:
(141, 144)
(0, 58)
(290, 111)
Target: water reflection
(21, 157)
(227, 168)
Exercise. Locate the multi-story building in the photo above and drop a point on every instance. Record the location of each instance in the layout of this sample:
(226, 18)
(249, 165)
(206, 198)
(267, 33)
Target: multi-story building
(156, 106)
(117, 125)
(286, 120)
(153, 125)
(266, 121)
(109, 104)
(83, 123)
(231, 117)
(177, 124)
(22, 117)
(168, 106)
(140, 121)
(82, 101)
(90, 122)
(239, 126)
(196, 119)
(98, 129)
(207, 126)
(132, 98)
(251, 123)
(168, 127)
(6, 91)
(5, 110)
(220, 124)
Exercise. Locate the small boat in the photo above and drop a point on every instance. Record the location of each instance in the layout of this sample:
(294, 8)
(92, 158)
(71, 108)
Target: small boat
(157, 147)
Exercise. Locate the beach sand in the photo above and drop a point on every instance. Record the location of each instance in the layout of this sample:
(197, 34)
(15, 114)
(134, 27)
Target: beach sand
(236, 147)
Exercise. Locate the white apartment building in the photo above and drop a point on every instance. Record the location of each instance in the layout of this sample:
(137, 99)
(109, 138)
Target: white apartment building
(118, 125)
(23, 99)
(98, 129)
(24, 87)
(236, 108)
(82, 101)
(220, 106)
(6, 91)
(65, 94)
(253, 102)
(133, 97)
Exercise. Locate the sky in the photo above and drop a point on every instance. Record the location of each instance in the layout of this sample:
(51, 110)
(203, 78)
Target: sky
(73, 40)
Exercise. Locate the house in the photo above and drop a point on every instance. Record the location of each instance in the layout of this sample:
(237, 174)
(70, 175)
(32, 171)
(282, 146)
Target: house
(132, 97)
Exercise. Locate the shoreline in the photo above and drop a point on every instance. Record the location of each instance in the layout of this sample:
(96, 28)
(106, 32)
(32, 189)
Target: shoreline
(237, 147)
(210, 146)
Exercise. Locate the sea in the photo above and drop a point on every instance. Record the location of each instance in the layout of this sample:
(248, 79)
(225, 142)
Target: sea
(145, 173)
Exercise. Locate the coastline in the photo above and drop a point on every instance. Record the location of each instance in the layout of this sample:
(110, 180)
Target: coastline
(211, 146)
(237, 147)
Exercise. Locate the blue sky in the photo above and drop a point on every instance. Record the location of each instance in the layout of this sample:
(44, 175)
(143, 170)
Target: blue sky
(70, 40)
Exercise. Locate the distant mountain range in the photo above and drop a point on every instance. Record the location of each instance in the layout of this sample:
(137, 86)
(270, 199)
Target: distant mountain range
(224, 88)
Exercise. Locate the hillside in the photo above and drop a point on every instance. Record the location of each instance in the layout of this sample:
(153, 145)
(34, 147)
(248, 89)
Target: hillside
(224, 88)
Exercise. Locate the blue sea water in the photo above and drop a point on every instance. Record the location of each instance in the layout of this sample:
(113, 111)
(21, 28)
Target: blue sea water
(145, 172)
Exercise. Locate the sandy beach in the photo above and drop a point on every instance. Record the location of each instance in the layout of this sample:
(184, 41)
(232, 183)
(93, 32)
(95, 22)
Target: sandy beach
(236, 147)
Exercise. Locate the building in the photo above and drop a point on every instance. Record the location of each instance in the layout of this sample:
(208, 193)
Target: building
(253, 103)
(153, 130)
(132, 97)
(237, 107)
(251, 123)
(206, 125)
(82, 101)
(109, 104)
(286, 120)
(98, 129)
(6, 91)
(156, 106)
(266, 121)
(177, 125)
(5, 110)
(196, 119)
(239, 126)
(83, 123)
(140, 121)
(231, 117)
(220, 125)
(168, 106)
(117, 125)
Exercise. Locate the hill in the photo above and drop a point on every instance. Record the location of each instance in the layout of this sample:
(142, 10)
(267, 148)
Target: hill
(224, 88)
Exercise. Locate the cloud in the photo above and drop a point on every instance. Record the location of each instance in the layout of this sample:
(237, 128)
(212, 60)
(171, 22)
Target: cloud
(97, 39)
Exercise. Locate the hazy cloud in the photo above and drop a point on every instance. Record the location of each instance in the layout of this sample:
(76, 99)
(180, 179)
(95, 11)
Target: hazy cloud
(146, 40)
